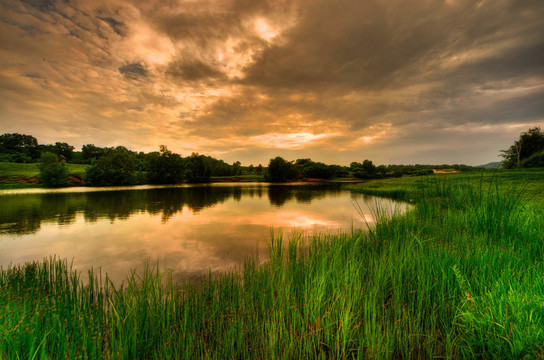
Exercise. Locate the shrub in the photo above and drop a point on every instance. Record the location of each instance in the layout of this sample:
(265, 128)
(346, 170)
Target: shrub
(53, 173)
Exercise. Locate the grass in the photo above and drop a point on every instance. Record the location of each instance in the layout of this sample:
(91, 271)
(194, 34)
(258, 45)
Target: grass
(408, 187)
(238, 178)
(15, 175)
(459, 276)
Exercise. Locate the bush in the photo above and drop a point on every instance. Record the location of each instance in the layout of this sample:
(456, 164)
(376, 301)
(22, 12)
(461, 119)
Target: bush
(534, 161)
(53, 173)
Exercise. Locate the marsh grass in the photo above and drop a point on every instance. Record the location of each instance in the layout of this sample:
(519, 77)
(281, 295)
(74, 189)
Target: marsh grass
(458, 276)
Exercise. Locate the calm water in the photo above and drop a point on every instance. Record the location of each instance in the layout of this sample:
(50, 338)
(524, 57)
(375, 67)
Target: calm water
(188, 229)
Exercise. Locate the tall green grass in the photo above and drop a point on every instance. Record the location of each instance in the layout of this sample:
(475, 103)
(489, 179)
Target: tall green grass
(458, 276)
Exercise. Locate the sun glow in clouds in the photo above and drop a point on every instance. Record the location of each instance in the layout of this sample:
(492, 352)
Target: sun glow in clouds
(264, 30)
(288, 141)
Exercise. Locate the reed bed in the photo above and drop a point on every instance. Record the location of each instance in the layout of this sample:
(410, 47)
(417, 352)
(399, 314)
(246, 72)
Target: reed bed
(458, 276)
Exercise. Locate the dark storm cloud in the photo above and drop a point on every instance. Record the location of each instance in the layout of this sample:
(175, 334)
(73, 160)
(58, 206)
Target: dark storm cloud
(192, 70)
(117, 26)
(133, 71)
(42, 5)
(202, 28)
(376, 44)
(33, 75)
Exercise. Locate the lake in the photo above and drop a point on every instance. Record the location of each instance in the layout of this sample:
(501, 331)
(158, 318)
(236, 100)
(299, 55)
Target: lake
(189, 229)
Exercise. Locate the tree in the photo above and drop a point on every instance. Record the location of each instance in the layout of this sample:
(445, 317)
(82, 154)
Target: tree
(280, 170)
(529, 143)
(366, 170)
(18, 147)
(198, 169)
(165, 167)
(115, 167)
(17, 142)
(317, 170)
(64, 149)
(90, 152)
(236, 168)
(53, 173)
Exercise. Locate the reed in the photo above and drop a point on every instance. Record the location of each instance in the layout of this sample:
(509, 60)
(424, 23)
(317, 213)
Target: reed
(458, 276)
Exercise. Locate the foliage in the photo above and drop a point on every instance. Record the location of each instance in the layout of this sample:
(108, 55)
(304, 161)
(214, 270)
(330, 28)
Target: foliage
(534, 161)
(165, 167)
(18, 148)
(280, 170)
(197, 168)
(91, 152)
(318, 171)
(15, 141)
(115, 167)
(53, 173)
(529, 143)
(366, 170)
(64, 149)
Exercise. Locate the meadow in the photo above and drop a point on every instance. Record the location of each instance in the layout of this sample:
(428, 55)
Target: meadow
(15, 175)
(458, 276)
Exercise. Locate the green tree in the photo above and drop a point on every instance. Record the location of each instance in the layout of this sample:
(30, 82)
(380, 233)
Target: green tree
(236, 168)
(280, 170)
(115, 167)
(317, 170)
(165, 167)
(20, 148)
(91, 152)
(198, 169)
(53, 173)
(16, 142)
(64, 149)
(529, 143)
(366, 170)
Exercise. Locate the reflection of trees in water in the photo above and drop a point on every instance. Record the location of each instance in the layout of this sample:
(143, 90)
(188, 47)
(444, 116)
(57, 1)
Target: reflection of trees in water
(23, 214)
(279, 195)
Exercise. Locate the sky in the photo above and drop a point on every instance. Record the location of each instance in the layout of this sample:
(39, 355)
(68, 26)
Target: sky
(337, 81)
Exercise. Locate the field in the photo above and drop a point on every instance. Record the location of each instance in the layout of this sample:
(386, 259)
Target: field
(459, 276)
(26, 175)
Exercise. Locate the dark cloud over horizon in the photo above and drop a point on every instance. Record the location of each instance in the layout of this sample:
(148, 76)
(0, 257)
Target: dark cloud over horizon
(397, 82)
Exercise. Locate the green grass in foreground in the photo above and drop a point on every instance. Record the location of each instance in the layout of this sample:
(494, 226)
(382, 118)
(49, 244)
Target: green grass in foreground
(460, 276)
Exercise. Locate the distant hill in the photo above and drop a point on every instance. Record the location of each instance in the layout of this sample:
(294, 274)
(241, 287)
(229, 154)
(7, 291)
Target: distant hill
(491, 165)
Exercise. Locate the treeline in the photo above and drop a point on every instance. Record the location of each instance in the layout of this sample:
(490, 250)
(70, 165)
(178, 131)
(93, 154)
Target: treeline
(281, 170)
(120, 166)
(115, 165)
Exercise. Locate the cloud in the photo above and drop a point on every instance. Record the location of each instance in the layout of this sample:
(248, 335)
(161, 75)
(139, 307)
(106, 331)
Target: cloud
(118, 26)
(192, 70)
(133, 71)
(339, 81)
(42, 5)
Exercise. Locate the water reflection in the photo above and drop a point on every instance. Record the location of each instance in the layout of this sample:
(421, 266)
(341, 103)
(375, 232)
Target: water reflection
(189, 229)
(24, 213)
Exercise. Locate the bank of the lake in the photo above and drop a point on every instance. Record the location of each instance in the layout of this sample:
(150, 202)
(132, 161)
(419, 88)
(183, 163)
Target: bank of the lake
(459, 276)
(25, 176)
